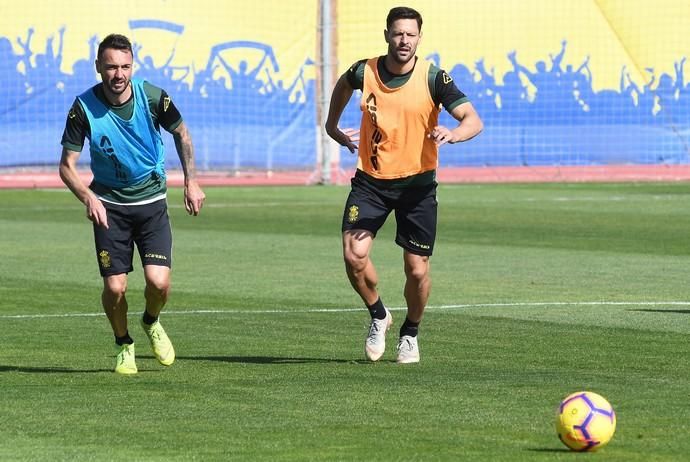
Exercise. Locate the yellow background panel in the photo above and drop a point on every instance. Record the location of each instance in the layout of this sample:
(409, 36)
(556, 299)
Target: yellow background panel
(289, 27)
(613, 33)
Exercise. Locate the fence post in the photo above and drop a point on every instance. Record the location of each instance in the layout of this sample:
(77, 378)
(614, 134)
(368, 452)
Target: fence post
(327, 157)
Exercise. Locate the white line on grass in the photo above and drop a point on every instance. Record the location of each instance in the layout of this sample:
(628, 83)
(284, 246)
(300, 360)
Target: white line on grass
(346, 310)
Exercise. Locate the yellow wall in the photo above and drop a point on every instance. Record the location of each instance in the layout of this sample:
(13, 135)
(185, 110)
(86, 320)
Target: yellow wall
(287, 26)
(638, 34)
(614, 33)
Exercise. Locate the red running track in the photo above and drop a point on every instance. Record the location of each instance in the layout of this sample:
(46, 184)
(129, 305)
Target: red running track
(26, 178)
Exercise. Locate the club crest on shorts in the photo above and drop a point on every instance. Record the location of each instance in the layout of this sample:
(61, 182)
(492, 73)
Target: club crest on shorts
(352, 214)
(104, 258)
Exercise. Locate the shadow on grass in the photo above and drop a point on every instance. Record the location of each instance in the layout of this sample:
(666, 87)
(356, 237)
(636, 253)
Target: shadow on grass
(559, 450)
(225, 359)
(50, 370)
(270, 360)
(647, 310)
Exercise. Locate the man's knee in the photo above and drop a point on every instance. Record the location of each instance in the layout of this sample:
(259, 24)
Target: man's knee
(157, 280)
(417, 268)
(159, 285)
(356, 245)
(115, 286)
(354, 261)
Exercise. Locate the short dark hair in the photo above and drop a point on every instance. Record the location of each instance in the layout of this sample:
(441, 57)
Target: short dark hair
(116, 41)
(403, 12)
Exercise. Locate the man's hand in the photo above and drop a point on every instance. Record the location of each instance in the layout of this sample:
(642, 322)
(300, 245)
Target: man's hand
(193, 197)
(348, 137)
(95, 211)
(442, 135)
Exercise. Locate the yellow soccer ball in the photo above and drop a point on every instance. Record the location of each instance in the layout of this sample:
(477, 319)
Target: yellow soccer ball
(585, 421)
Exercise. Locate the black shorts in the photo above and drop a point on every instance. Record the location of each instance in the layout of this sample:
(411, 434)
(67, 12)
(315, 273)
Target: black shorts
(368, 206)
(147, 226)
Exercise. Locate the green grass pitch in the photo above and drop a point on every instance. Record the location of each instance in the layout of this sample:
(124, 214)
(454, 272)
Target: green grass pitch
(538, 291)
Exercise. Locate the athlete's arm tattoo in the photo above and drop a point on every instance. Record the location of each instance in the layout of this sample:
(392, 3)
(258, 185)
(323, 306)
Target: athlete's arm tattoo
(185, 151)
(193, 195)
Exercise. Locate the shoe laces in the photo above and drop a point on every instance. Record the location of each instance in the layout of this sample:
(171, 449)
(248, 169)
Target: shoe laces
(377, 325)
(124, 354)
(405, 344)
(154, 333)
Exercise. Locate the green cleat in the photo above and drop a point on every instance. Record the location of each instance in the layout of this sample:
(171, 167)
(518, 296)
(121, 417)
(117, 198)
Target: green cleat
(125, 363)
(160, 343)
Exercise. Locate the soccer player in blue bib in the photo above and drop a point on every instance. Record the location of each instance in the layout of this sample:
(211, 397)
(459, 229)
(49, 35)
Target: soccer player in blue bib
(126, 201)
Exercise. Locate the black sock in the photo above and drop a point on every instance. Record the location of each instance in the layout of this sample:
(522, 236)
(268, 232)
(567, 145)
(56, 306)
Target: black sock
(124, 340)
(409, 328)
(377, 310)
(148, 319)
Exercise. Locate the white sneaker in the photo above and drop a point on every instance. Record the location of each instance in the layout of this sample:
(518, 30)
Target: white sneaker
(375, 344)
(408, 350)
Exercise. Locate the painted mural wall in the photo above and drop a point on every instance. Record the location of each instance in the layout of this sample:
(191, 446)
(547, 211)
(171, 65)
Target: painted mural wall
(558, 82)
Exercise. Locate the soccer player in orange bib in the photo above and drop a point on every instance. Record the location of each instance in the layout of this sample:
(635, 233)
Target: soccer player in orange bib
(398, 143)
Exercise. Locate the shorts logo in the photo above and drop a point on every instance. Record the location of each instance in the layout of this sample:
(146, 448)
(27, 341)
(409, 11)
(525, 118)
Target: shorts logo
(104, 258)
(418, 245)
(446, 78)
(352, 214)
(155, 256)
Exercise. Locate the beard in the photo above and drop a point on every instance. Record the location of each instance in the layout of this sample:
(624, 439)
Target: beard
(402, 56)
(118, 87)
